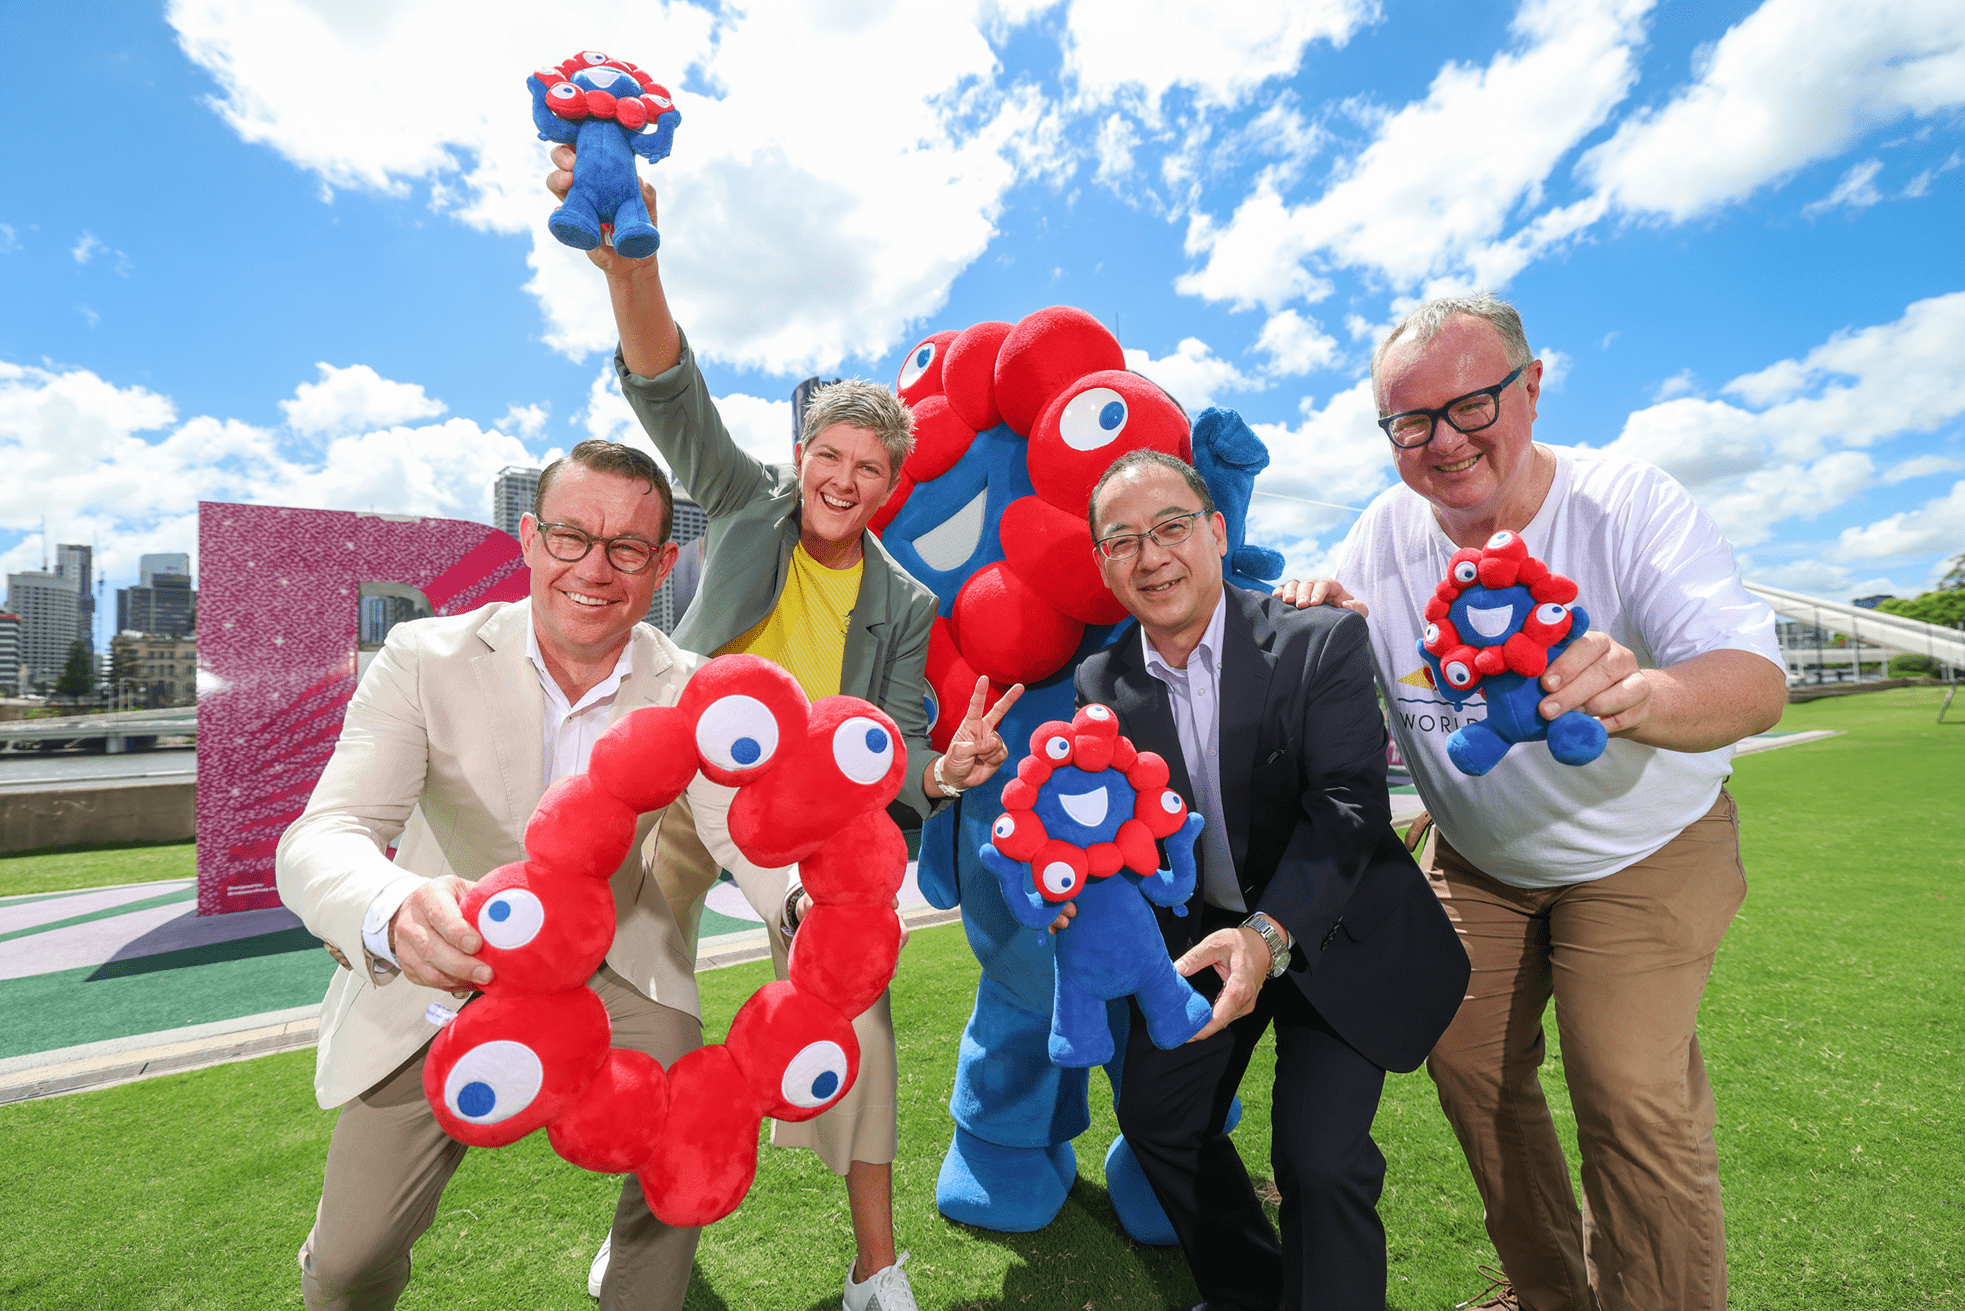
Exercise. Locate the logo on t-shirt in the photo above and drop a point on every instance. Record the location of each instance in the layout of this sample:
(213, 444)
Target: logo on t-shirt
(1425, 711)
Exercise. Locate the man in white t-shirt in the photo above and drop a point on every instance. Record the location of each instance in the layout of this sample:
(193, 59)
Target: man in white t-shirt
(1607, 885)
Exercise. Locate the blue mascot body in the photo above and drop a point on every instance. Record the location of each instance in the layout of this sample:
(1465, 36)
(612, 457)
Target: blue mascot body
(609, 111)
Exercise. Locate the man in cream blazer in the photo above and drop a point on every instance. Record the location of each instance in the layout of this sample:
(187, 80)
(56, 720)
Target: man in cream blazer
(453, 735)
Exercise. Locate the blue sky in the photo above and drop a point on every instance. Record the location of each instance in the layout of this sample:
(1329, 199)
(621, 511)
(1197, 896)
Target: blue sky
(295, 253)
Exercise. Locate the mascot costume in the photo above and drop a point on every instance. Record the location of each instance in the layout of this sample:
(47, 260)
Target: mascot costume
(1014, 425)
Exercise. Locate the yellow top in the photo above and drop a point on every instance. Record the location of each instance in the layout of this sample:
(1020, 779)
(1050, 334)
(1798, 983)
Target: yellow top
(806, 631)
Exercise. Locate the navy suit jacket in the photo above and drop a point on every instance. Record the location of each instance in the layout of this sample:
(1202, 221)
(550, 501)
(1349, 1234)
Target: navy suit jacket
(1302, 752)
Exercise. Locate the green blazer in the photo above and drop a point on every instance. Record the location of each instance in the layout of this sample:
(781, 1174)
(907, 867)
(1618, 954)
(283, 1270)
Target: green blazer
(753, 511)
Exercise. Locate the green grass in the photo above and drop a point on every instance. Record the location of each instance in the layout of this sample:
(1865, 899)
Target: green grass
(63, 869)
(1831, 1030)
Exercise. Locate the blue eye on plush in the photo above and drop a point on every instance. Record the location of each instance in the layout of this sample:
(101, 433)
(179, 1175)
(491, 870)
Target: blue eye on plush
(863, 749)
(511, 918)
(493, 1081)
(737, 732)
(815, 1075)
(1093, 418)
(917, 364)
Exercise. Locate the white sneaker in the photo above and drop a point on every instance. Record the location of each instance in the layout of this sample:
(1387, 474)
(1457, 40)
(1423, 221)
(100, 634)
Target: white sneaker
(597, 1272)
(888, 1290)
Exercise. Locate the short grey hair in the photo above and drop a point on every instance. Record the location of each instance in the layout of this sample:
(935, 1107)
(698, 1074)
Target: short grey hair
(1140, 458)
(1426, 321)
(858, 403)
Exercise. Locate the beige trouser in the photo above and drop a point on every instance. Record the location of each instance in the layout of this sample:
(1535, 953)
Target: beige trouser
(388, 1163)
(1626, 958)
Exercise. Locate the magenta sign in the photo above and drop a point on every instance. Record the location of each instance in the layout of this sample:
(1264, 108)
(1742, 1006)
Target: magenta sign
(279, 604)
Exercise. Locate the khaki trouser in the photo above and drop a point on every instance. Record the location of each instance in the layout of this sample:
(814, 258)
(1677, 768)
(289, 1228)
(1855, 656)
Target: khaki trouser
(388, 1163)
(1626, 958)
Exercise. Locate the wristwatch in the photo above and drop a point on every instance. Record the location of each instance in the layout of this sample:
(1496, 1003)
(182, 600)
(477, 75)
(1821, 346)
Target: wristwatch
(948, 789)
(1279, 954)
(788, 921)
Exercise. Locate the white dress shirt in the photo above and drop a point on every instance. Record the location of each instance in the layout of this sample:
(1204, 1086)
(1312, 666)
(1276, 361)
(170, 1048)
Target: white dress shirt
(1195, 693)
(570, 732)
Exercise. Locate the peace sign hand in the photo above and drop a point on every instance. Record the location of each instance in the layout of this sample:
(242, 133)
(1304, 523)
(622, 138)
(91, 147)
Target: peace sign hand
(975, 751)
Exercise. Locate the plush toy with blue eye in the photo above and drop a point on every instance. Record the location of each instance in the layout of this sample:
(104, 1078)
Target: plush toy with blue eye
(1085, 806)
(609, 111)
(813, 781)
(1492, 626)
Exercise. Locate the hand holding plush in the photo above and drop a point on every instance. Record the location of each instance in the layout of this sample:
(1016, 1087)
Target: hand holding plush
(813, 782)
(1085, 806)
(609, 111)
(1493, 625)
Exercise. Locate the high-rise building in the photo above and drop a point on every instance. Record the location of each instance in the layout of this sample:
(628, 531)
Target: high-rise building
(46, 604)
(672, 598)
(381, 613)
(10, 669)
(166, 605)
(77, 565)
(511, 497)
(163, 562)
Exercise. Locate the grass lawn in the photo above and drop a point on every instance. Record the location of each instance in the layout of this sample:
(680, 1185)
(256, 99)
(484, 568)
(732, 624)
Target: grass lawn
(65, 868)
(1831, 1029)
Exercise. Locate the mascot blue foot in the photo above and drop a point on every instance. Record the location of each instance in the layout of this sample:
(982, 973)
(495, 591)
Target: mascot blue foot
(1140, 1213)
(1013, 1190)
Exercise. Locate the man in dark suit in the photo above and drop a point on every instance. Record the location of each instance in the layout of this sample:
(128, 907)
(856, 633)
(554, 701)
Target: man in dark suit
(1309, 910)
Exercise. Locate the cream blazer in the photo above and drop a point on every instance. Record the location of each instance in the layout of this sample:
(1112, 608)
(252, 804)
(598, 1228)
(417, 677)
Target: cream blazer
(442, 753)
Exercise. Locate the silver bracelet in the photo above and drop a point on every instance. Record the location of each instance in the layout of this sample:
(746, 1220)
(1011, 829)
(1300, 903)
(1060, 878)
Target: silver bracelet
(948, 788)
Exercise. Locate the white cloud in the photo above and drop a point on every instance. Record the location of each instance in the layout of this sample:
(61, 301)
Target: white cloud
(1223, 53)
(1295, 345)
(1429, 197)
(1682, 383)
(830, 179)
(1748, 511)
(1793, 82)
(1937, 525)
(1193, 373)
(525, 420)
(1857, 189)
(1922, 466)
(1114, 148)
(1337, 455)
(759, 426)
(1555, 367)
(87, 248)
(355, 397)
(1817, 577)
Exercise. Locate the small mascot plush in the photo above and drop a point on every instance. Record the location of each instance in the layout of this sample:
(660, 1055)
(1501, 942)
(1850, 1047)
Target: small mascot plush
(1492, 626)
(1085, 806)
(813, 782)
(609, 111)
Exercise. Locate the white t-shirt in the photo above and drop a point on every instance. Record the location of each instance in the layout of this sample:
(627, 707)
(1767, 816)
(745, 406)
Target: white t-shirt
(1654, 573)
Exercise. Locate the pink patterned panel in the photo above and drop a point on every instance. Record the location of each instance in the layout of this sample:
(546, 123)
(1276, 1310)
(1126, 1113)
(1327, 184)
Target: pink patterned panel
(278, 618)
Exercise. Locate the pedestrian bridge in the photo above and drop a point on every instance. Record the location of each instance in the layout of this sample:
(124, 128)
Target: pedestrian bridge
(130, 730)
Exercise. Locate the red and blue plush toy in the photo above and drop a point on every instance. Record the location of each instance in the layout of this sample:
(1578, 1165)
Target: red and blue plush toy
(1085, 806)
(609, 111)
(813, 781)
(1492, 626)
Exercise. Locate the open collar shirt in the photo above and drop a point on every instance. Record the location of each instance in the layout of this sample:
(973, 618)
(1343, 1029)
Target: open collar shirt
(1195, 694)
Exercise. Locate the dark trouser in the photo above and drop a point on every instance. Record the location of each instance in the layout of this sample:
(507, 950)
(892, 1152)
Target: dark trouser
(388, 1163)
(1172, 1105)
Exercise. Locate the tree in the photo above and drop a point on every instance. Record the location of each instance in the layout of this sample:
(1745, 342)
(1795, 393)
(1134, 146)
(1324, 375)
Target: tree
(1946, 607)
(78, 675)
(125, 670)
(1954, 579)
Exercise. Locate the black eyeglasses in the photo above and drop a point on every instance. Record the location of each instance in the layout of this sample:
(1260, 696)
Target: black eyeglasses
(1168, 532)
(1470, 413)
(566, 543)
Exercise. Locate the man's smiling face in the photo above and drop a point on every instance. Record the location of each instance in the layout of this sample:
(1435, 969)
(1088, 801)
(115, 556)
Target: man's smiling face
(1478, 476)
(844, 477)
(1171, 590)
(585, 609)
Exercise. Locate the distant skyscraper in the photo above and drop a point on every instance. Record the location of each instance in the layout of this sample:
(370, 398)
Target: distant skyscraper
(77, 565)
(46, 606)
(163, 562)
(168, 605)
(511, 497)
(381, 613)
(9, 654)
(679, 588)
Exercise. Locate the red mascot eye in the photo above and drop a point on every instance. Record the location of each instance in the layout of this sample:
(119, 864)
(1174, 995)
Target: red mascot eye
(1500, 540)
(1457, 674)
(917, 364)
(1171, 803)
(1003, 827)
(1057, 748)
(511, 919)
(1431, 635)
(737, 732)
(563, 91)
(593, 57)
(1465, 573)
(863, 750)
(1060, 879)
(493, 1081)
(1550, 613)
(815, 1075)
(1093, 418)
